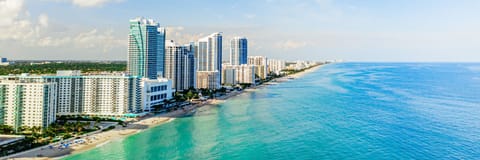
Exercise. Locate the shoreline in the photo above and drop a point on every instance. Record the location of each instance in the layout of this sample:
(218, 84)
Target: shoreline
(119, 133)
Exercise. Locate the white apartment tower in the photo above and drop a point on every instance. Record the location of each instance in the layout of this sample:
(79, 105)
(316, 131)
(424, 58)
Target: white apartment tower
(99, 95)
(261, 65)
(236, 74)
(276, 66)
(208, 58)
(31, 104)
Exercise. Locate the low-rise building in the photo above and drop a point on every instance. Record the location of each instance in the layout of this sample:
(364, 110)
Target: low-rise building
(155, 92)
(4, 61)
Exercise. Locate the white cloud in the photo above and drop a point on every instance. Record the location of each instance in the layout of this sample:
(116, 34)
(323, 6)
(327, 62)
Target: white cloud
(17, 25)
(89, 3)
(290, 44)
(9, 11)
(178, 34)
(92, 39)
(43, 20)
(53, 42)
(92, 3)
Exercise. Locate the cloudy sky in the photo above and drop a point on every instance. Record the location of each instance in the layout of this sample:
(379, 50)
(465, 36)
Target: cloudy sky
(366, 30)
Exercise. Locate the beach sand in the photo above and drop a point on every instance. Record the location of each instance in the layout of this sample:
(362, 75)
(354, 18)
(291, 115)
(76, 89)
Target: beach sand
(101, 138)
(301, 74)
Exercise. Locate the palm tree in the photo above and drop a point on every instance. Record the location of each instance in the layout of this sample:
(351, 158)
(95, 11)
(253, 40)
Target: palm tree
(24, 129)
(79, 126)
(5, 129)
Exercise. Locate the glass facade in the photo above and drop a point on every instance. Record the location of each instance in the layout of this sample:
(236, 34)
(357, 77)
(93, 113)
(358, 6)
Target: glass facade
(146, 47)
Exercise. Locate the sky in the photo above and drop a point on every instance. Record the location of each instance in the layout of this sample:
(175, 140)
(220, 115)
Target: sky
(352, 30)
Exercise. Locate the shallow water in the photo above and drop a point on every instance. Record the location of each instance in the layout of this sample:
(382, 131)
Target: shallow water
(341, 111)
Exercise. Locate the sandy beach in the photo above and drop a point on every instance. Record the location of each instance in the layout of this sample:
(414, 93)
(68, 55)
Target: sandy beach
(93, 140)
(300, 74)
(98, 139)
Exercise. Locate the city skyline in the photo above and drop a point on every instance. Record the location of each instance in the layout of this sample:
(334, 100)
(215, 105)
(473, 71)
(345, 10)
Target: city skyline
(321, 29)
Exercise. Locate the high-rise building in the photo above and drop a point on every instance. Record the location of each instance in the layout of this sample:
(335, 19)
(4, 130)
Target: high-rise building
(238, 51)
(208, 58)
(161, 52)
(261, 65)
(146, 42)
(31, 104)
(191, 66)
(98, 95)
(235, 74)
(179, 65)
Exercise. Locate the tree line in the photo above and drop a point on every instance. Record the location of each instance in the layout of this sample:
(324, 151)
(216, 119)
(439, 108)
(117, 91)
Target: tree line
(51, 68)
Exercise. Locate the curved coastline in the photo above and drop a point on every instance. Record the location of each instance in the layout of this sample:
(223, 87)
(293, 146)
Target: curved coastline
(120, 133)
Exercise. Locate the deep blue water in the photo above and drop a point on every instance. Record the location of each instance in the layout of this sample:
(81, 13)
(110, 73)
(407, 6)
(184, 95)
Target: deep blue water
(340, 111)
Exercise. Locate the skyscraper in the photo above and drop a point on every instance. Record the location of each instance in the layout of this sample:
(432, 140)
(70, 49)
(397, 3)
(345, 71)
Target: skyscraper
(179, 66)
(146, 42)
(208, 55)
(238, 50)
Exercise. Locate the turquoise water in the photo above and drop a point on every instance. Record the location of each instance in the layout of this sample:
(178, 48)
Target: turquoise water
(341, 111)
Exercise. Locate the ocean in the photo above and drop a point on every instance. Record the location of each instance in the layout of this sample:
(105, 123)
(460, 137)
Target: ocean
(340, 111)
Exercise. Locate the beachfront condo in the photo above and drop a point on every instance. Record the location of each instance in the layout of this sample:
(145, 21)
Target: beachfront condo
(146, 44)
(180, 65)
(23, 103)
(208, 60)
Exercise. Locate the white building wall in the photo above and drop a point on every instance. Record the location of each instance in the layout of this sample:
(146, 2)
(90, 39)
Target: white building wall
(27, 104)
(261, 64)
(154, 92)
